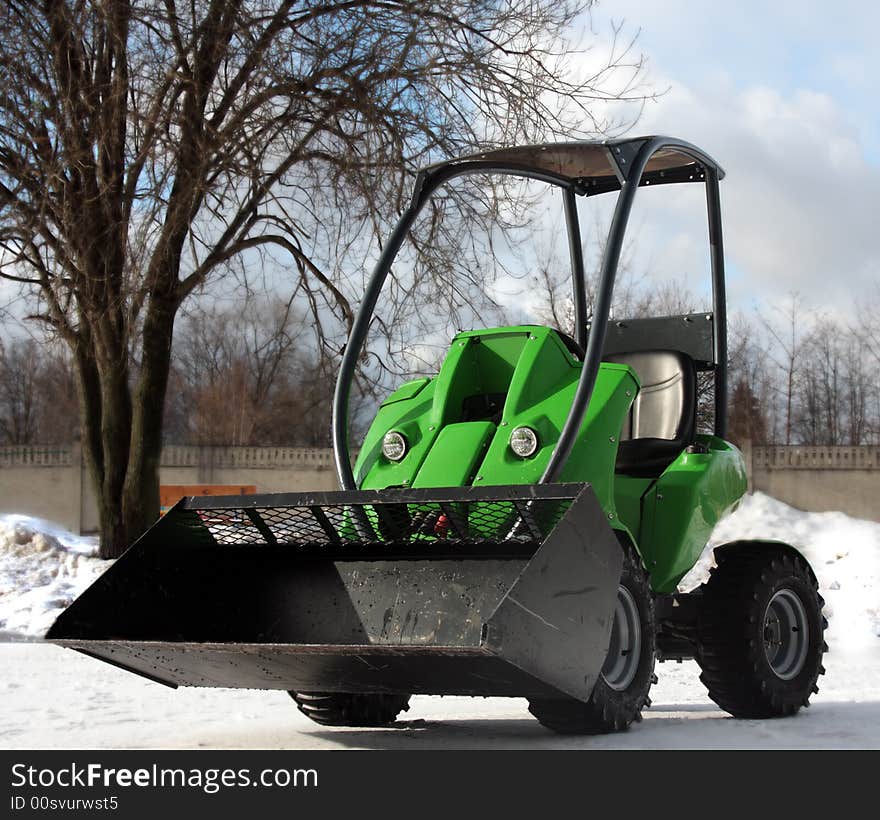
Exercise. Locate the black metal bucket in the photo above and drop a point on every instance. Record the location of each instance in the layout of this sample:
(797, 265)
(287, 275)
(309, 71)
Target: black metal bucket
(476, 591)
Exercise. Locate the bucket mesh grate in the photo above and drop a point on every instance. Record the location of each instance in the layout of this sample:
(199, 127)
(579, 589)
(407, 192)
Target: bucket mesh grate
(422, 522)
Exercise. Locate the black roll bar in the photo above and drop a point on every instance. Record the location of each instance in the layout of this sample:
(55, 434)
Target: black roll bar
(578, 275)
(719, 300)
(630, 170)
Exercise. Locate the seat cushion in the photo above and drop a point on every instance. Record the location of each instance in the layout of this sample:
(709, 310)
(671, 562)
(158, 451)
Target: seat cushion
(662, 420)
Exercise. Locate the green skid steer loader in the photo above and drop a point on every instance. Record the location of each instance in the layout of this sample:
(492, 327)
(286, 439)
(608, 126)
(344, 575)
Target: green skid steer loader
(516, 525)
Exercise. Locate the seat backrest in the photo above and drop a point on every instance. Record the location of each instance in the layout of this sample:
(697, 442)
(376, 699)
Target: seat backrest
(666, 405)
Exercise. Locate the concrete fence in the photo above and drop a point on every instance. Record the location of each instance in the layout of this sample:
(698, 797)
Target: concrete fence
(52, 483)
(819, 478)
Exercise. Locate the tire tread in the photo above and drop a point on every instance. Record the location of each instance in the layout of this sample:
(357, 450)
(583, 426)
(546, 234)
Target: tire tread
(730, 653)
(350, 709)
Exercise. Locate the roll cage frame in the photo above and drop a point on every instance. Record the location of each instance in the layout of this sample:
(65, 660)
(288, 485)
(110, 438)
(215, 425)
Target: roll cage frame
(634, 163)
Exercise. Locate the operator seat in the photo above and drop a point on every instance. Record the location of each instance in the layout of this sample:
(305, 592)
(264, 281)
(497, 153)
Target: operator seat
(662, 420)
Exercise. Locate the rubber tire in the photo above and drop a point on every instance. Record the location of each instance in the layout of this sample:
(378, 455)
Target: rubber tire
(608, 710)
(730, 626)
(349, 709)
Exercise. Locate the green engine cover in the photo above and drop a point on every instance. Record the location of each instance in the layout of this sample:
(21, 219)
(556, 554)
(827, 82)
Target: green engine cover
(458, 424)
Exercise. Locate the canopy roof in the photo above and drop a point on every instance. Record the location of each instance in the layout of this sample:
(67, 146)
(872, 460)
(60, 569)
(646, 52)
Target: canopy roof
(593, 166)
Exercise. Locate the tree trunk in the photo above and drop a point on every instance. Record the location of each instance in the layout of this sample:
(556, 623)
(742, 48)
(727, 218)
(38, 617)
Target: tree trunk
(105, 410)
(140, 496)
(122, 433)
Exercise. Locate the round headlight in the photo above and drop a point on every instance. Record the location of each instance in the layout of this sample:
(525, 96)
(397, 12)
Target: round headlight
(524, 441)
(393, 446)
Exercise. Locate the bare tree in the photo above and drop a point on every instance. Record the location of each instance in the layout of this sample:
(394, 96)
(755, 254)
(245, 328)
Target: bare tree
(858, 386)
(37, 396)
(146, 147)
(817, 417)
(636, 293)
(19, 391)
(834, 386)
(58, 420)
(751, 381)
(788, 352)
(248, 375)
(867, 340)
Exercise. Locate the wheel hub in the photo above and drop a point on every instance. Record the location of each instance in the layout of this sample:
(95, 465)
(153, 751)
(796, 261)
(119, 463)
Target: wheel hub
(786, 634)
(624, 650)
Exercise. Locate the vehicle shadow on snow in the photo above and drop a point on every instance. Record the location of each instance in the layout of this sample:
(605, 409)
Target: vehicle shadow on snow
(497, 733)
(828, 725)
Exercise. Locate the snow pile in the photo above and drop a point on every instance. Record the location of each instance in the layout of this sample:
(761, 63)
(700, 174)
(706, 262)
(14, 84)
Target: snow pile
(844, 553)
(42, 569)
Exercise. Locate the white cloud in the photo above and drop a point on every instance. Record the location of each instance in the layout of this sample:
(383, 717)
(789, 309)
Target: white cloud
(799, 198)
(783, 96)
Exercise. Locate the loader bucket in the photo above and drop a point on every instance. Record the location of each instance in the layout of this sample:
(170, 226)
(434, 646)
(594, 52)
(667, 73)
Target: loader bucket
(474, 591)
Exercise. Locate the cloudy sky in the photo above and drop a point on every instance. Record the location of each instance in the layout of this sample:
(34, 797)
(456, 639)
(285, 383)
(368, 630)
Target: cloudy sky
(785, 96)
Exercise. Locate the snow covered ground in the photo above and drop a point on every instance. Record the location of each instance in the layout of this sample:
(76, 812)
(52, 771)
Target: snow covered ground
(55, 698)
